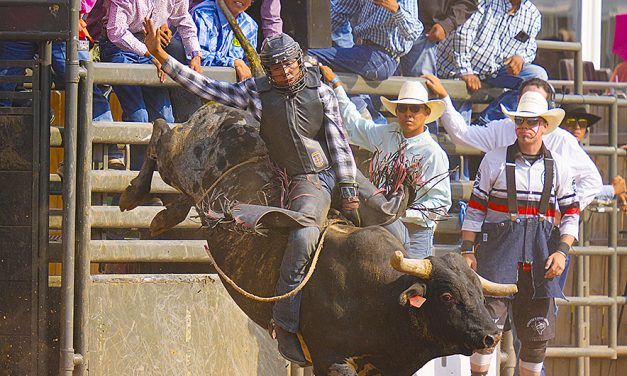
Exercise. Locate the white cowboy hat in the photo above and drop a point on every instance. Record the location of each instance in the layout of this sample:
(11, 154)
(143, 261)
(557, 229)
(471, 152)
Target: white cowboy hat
(534, 104)
(414, 92)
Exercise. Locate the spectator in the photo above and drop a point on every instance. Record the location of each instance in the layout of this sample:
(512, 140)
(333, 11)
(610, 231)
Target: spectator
(440, 18)
(384, 30)
(124, 44)
(341, 35)
(413, 110)
(496, 45)
(577, 122)
(28, 50)
(513, 203)
(218, 44)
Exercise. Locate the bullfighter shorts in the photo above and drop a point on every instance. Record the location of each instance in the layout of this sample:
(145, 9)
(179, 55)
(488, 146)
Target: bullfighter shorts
(534, 318)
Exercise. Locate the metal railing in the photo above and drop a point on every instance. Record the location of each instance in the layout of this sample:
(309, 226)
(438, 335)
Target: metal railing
(89, 181)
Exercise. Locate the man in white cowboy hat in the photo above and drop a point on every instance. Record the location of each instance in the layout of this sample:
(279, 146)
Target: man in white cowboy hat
(509, 234)
(413, 110)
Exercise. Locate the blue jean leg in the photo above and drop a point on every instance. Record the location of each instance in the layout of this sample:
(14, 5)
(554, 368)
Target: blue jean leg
(139, 104)
(509, 99)
(14, 51)
(367, 61)
(421, 241)
(311, 195)
(421, 59)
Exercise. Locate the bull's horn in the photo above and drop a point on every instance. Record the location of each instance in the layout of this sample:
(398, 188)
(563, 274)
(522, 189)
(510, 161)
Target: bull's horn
(418, 268)
(251, 54)
(497, 289)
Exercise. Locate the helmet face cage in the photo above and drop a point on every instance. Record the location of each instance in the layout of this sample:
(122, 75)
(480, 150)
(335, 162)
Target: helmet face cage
(292, 52)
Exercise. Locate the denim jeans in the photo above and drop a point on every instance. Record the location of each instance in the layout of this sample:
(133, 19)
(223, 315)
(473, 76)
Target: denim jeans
(420, 241)
(139, 104)
(27, 51)
(311, 195)
(421, 59)
(368, 61)
(509, 99)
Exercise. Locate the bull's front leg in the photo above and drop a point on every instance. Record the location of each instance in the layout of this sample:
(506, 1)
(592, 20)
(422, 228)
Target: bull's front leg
(139, 188)
(354, 366)
(173, 214)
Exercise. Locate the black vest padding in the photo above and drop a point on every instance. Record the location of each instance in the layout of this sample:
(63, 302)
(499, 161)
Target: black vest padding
(292, 126)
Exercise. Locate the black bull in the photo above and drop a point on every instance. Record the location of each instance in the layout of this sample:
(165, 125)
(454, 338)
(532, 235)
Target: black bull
(357, 311)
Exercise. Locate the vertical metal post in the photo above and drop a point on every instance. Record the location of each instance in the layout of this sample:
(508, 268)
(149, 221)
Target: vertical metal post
(41, 81)
(578, 61)
(67, 358)
(579, 314)
(613, 235)
(83, 212)
(586, 311)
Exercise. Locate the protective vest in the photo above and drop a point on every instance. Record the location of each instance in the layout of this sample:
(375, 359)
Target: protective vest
(502, 246)
(292, 126)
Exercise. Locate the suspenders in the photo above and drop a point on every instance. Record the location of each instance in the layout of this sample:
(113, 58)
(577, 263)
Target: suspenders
(510, 179)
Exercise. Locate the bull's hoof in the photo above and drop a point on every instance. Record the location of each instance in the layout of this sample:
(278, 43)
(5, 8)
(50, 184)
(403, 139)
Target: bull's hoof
(131, 197)
(174, 213)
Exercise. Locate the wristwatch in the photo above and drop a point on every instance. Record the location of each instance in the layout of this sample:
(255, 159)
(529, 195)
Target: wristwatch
(348, 190)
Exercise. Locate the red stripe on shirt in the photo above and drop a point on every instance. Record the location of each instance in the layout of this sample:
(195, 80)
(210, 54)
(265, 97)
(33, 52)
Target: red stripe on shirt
(475, 205)
(522, 210)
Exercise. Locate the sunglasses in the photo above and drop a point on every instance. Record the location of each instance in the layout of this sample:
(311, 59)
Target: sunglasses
(574, 122)
(531, 121)
(415, 108)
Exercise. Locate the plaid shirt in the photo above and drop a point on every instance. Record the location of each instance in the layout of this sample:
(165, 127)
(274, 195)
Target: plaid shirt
(394, 31)
(244, 95)
(488, 38)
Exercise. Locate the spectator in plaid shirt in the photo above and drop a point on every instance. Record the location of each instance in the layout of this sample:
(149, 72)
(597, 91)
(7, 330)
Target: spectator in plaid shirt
(302, 128)
(496, 45)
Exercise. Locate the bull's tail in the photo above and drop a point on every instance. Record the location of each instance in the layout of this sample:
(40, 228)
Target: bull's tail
(251, 54)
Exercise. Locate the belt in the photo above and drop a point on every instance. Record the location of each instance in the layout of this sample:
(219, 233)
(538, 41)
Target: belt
(367, 42)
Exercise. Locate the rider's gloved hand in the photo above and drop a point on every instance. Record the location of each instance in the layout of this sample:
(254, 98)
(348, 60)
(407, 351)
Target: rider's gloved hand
(350, 198)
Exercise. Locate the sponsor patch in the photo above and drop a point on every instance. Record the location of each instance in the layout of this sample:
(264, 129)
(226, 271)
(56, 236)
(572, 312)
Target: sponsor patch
(539, 324)
(83, 45)
(236, 42)
(317, 159)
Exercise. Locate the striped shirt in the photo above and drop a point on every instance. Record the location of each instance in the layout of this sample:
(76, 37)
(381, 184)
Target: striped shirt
(488, 202)
(394, 31)
(244, 95)
(218, 45)
(489, 37)
(125, 17)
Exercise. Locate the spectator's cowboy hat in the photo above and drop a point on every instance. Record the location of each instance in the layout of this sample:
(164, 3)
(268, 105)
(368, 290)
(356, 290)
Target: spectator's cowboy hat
(533, 104)
(579, 112)
(413, 92)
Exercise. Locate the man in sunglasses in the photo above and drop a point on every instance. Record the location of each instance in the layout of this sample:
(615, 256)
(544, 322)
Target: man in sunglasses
(500, 133)
(413, 110)
(510, 234)
(577, 122)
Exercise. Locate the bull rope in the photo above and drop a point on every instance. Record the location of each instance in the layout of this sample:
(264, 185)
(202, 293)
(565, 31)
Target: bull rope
(275, 298)
(232, 283)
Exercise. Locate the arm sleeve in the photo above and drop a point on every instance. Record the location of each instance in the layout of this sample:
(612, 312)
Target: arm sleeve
(341, 155)
(484, 138)
(406, 19)
(529, 49)
(462, 43)
(606, 194)
(271, 21)
(341, 12)
(588, 180)
(478, 203)
(118, 32)
(241, 95)
(567, 200)
(185, 26)
(457, 13)
(207, 37)
(436, 194)
(361, 132)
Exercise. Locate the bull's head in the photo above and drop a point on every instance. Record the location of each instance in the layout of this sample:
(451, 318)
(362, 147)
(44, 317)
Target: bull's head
(446, 303)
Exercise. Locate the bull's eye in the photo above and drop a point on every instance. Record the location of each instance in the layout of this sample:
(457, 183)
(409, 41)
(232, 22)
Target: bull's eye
(447, 297)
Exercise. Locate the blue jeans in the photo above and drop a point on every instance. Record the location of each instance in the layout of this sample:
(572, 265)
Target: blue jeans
(139, 104)
(368, 61)
(509, 99)
(27, 51)
(420, 241)
(422, 59)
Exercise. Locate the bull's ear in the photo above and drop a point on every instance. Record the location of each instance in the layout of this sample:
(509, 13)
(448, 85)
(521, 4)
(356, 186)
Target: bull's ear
(414, 295)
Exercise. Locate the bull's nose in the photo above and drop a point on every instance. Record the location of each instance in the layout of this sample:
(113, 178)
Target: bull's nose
(491, 340)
